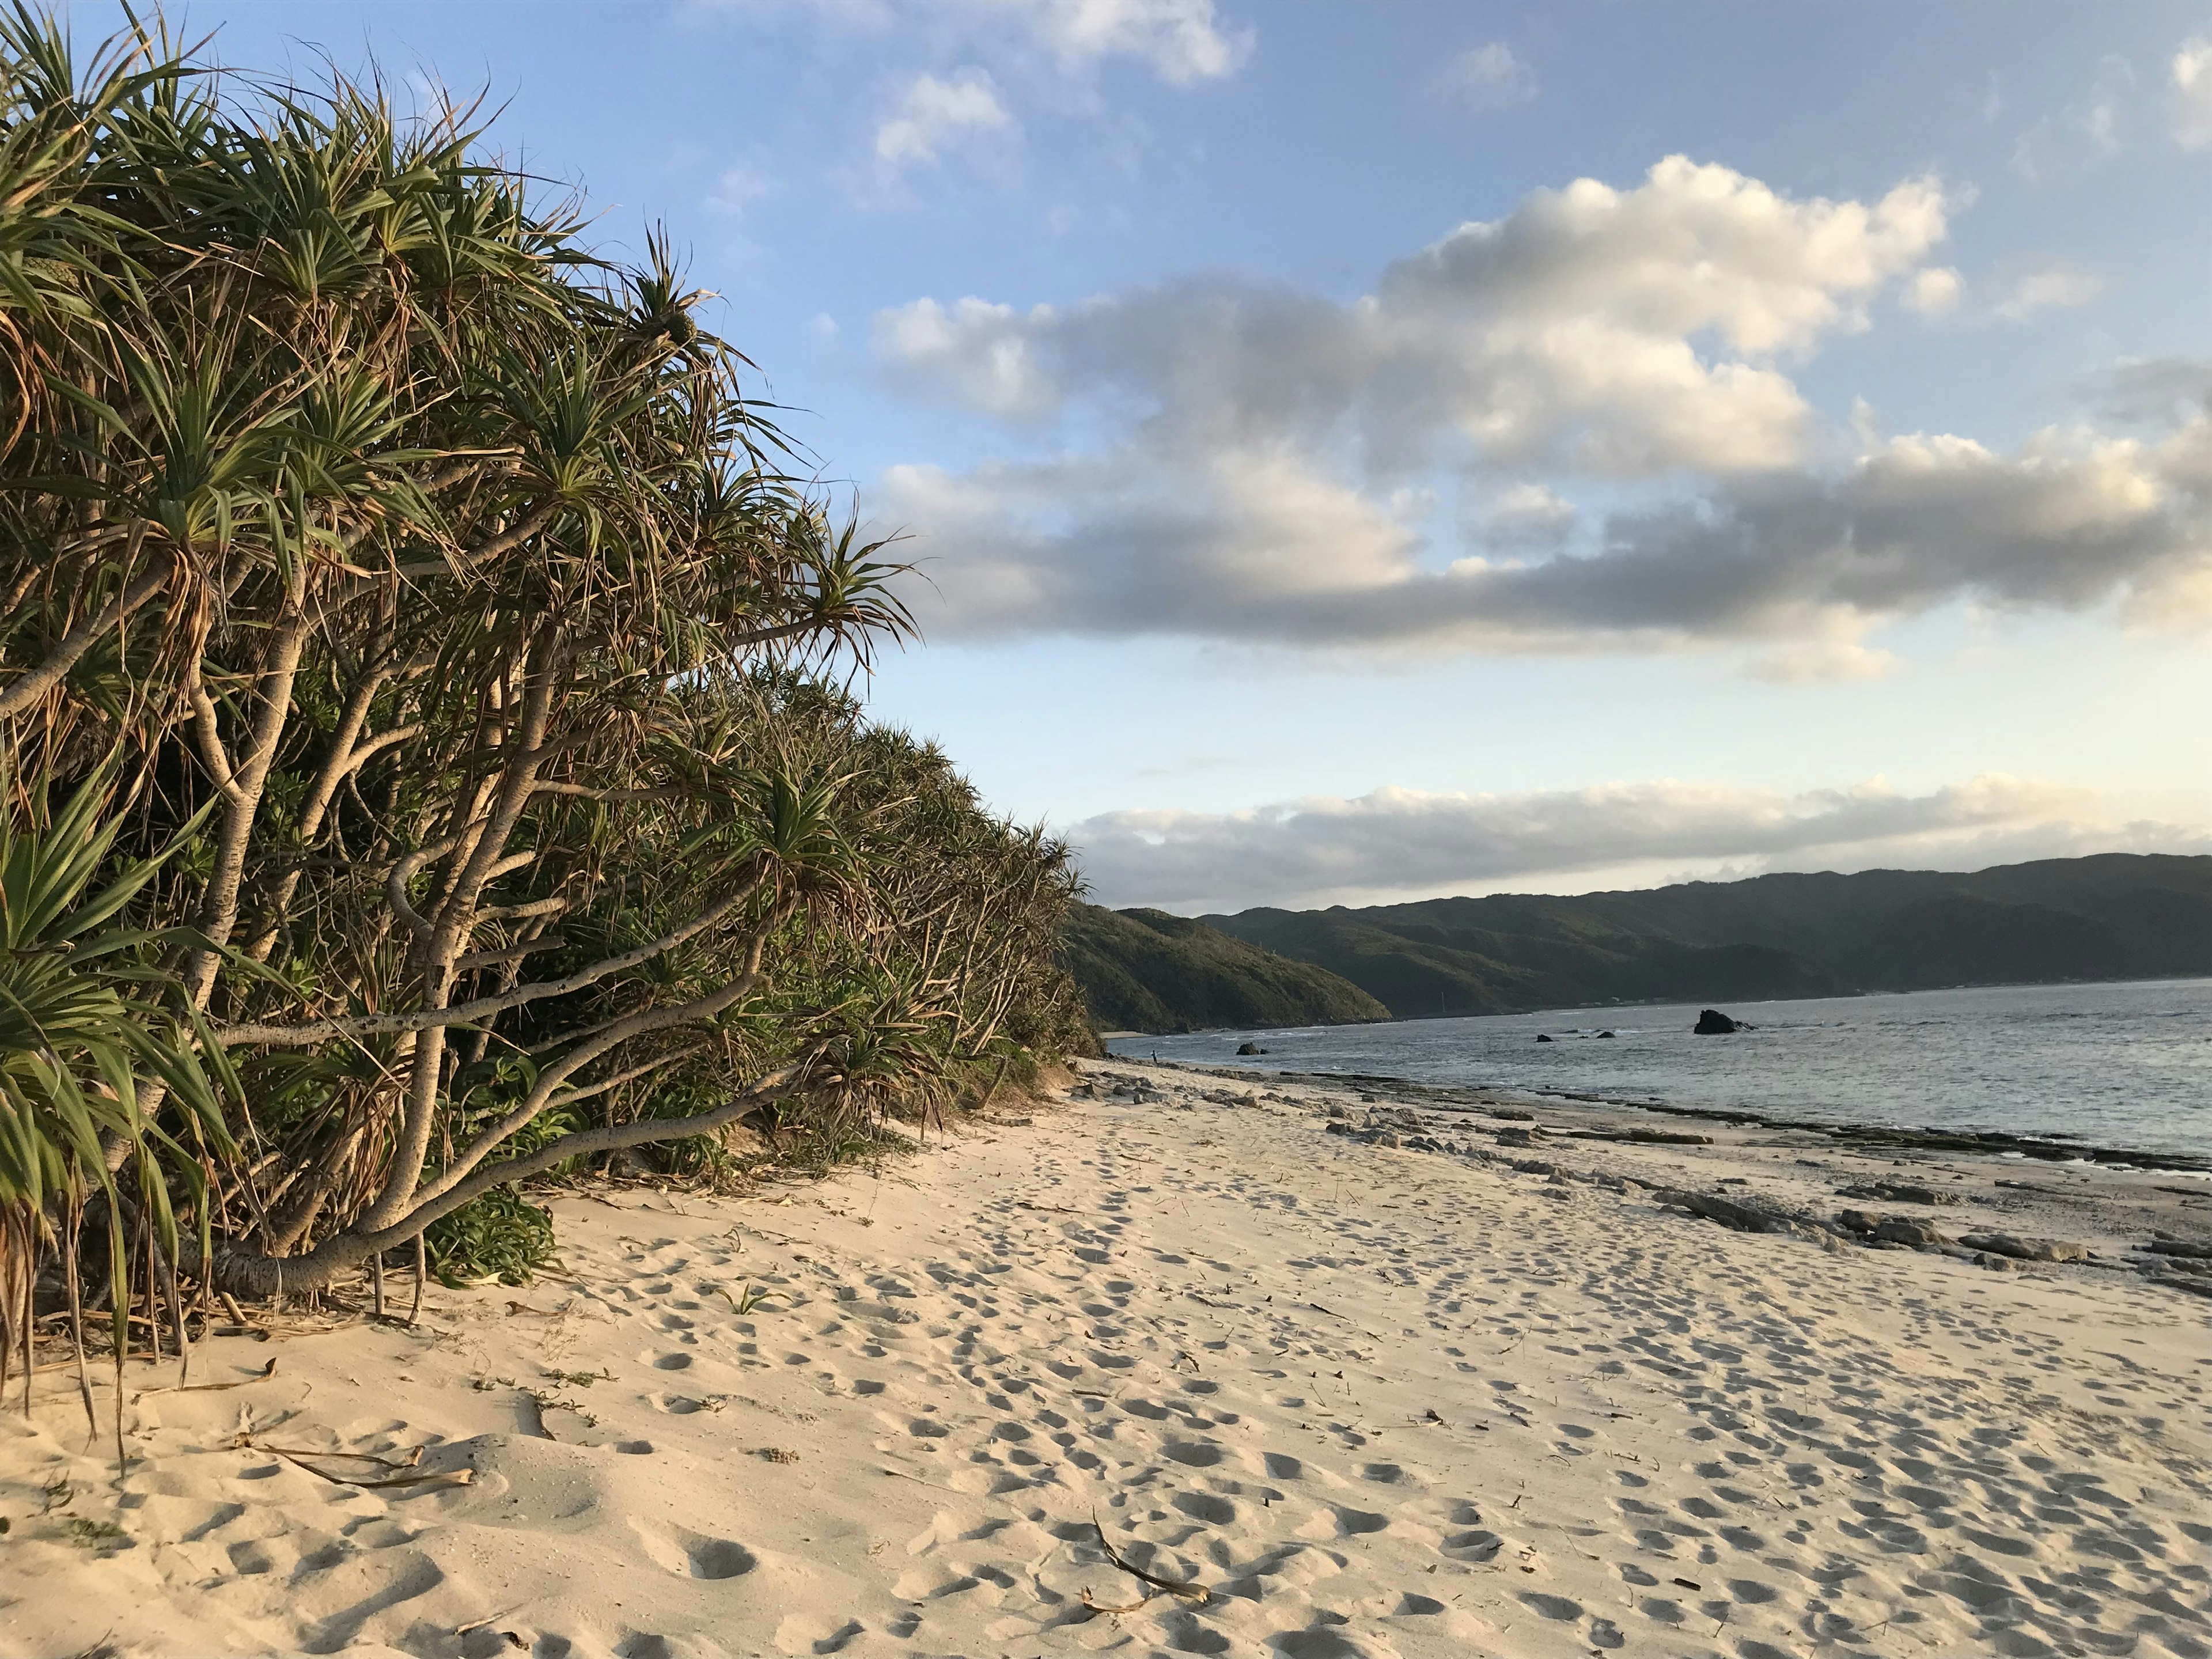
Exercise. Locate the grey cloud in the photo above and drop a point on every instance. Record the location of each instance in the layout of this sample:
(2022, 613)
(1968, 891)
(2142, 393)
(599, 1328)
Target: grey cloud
(1397, 842)
(1260, 551)
(2161, 392)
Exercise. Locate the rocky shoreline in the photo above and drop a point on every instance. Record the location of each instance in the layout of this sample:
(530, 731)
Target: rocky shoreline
(2107, 1213)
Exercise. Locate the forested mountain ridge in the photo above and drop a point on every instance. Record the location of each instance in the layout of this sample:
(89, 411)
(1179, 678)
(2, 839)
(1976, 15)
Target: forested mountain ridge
(2110, 916)
(1146, 971)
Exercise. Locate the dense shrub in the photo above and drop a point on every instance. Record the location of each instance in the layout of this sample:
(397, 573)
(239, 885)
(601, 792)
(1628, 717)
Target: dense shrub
(418, 773)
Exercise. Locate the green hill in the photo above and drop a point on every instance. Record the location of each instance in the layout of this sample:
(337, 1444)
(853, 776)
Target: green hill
(1145, 970)
(2113, 916)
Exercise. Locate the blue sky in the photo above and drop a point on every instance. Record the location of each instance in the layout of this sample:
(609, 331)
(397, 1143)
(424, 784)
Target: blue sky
(1329, 497)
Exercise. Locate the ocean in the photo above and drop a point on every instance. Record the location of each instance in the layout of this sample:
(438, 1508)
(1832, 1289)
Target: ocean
(2126, 1065)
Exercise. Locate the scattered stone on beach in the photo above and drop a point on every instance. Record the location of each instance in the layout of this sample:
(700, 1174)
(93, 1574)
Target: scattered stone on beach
(2164, 1244)
(1512, 1114)
(2026, 1250)
(1518, 1137)
(1712, 1022)
(1910, 1229)
(1338, 1109)
(1646, 1136)
(1898, 1192)
(1745, 1217)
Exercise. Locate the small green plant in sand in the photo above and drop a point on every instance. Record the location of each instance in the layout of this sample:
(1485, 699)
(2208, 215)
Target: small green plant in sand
(89, 1534)
(500, 1234)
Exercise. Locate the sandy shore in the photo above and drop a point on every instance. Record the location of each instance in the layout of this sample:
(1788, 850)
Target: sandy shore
(1365, 1399)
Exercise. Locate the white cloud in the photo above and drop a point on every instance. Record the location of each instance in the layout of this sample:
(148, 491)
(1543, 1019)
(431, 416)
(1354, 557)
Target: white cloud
(2016, 289)
(1182, 40)
(1488, 78)
(1933, 292)
(2043, 284)
(1400, 842)
(2091, 128)
(2191, 74)
(1624, 332)
(738, 188)
(1244, 460)
(933, 116)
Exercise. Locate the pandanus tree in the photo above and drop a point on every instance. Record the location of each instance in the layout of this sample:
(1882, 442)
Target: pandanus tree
(412, 609)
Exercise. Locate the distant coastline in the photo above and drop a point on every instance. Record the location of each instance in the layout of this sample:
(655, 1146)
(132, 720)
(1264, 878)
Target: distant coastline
(2108, 919)
(2121, 1067)
(1668, 1002)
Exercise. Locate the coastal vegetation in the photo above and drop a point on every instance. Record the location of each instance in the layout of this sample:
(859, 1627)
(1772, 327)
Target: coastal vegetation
(2110, 916)
(426, 761)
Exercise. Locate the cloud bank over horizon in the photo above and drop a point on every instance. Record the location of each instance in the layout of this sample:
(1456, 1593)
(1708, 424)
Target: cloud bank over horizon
(1225, 459)
(1400, 844)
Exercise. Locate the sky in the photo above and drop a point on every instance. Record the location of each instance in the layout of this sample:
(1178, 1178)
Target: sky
(1356, 453)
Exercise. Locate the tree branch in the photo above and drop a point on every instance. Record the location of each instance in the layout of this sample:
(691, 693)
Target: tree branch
(33, 684)
(462, 1013)
(245, 1272)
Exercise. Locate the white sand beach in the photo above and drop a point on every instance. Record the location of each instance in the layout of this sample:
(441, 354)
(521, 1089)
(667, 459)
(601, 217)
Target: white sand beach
(1359, 1399)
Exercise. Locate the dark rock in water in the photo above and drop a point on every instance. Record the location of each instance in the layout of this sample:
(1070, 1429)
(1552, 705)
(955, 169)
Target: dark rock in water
(1898, 1192)
(1542, 1038)
(1712, 1022)
(1605, 1034)
(1249, 1048)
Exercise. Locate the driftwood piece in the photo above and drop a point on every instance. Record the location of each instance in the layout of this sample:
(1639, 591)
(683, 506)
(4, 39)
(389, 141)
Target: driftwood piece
(261, 1375)
(1189, 1592)
(298, 1458)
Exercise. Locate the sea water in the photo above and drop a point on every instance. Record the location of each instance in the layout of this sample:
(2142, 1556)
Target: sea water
(2114, 1065)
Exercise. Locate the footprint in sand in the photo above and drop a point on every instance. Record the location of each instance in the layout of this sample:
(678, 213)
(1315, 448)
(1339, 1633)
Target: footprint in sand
(804, 1633)
(687, 1554)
